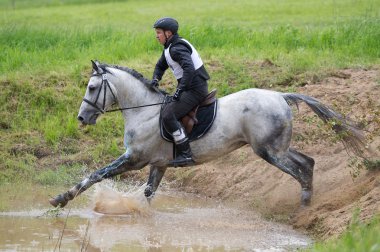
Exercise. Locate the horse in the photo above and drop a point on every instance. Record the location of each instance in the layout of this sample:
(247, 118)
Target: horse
(257, 117)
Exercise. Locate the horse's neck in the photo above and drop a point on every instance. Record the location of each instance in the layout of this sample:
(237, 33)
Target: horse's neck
(131, 92)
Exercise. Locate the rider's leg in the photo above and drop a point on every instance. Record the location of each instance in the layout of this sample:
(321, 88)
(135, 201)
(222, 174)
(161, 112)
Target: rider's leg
(184, 155)
(170, 116)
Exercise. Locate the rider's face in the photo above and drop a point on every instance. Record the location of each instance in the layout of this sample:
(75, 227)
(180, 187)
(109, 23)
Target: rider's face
(161, 35)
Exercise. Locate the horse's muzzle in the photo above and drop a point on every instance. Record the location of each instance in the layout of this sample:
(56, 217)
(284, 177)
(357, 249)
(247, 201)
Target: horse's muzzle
(88, 120)
(81, 119)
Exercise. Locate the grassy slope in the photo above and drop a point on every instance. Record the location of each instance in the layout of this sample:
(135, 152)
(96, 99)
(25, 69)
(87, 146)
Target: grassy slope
(46, 48)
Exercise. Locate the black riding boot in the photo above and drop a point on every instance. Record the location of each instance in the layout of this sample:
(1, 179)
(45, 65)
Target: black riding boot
(184, 155)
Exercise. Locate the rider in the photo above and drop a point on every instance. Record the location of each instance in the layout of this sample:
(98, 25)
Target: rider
(187, 67)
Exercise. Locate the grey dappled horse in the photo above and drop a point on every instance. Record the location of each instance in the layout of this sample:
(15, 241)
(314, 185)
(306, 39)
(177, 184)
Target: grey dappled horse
(260, 118)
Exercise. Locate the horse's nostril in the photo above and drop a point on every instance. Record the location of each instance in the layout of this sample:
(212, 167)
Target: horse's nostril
(80, 118)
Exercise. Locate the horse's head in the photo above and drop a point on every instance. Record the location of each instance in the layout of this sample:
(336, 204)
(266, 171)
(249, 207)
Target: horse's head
(99, 95)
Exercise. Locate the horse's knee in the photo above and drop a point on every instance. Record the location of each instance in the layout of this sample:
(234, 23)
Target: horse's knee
(96, 177)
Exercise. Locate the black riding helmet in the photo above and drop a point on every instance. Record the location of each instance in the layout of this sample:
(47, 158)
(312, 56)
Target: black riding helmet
(167, 24)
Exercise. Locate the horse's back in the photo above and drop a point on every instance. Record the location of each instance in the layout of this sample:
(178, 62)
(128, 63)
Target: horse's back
(256, 101)
(258, 113)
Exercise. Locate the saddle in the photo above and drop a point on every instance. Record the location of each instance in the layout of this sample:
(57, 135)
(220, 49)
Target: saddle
(190, 119)
(198, 121)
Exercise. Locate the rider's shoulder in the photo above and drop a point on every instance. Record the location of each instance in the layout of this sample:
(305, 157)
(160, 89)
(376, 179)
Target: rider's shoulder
(180, 44)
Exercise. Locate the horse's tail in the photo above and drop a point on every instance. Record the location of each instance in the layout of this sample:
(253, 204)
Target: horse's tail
(347, 130)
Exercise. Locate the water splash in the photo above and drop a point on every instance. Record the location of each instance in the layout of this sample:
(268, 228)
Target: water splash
(108, 199)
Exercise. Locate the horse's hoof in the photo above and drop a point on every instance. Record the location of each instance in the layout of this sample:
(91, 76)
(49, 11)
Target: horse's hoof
(148, 191)
(58, 201)
(306, 198)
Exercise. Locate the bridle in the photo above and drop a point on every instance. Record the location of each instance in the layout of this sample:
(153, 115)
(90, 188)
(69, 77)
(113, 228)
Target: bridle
(104, 84)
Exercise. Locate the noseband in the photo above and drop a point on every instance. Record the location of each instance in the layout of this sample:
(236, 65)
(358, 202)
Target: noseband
(104, 84)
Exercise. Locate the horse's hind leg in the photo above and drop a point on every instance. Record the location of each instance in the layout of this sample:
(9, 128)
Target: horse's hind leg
(296, 164)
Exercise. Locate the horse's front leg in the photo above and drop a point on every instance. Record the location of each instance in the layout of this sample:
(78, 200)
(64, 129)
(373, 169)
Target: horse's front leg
(122, 164)
(155, 177)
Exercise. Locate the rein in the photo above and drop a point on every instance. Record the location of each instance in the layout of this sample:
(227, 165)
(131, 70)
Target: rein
(142, 106)
(106, 84)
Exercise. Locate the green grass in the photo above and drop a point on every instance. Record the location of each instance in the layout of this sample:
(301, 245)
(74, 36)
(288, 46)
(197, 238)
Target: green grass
(64, 174)
(297, 34)
(358, 237)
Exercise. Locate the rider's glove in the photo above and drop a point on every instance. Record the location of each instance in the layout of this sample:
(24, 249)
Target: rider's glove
(177, 94)
(154, 83)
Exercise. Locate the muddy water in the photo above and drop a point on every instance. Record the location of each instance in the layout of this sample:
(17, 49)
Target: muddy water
(172, 222)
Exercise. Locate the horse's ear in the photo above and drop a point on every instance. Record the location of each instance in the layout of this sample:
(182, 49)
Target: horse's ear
(95, 66)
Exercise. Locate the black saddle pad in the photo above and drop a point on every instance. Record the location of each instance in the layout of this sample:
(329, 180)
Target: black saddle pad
(205, 115)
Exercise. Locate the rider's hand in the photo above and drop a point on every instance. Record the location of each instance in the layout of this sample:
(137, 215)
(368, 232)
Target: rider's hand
(154, 83)
(177, 94)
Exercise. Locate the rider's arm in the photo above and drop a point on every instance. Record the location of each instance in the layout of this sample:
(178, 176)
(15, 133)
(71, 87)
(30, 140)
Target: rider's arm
(181, 54)
(160, 68)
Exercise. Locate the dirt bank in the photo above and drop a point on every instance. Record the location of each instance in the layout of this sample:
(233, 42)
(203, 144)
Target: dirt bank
(339, 188)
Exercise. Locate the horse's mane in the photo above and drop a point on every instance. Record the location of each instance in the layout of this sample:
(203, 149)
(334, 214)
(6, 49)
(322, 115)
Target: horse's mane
(134, 73)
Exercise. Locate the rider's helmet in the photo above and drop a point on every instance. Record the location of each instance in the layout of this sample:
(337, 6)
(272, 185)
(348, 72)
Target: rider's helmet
(167, 24)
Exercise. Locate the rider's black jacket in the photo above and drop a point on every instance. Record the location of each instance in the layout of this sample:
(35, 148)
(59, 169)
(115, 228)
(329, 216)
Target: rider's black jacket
(180, 52)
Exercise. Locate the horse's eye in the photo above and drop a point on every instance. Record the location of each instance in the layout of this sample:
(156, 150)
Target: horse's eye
(91, 88)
